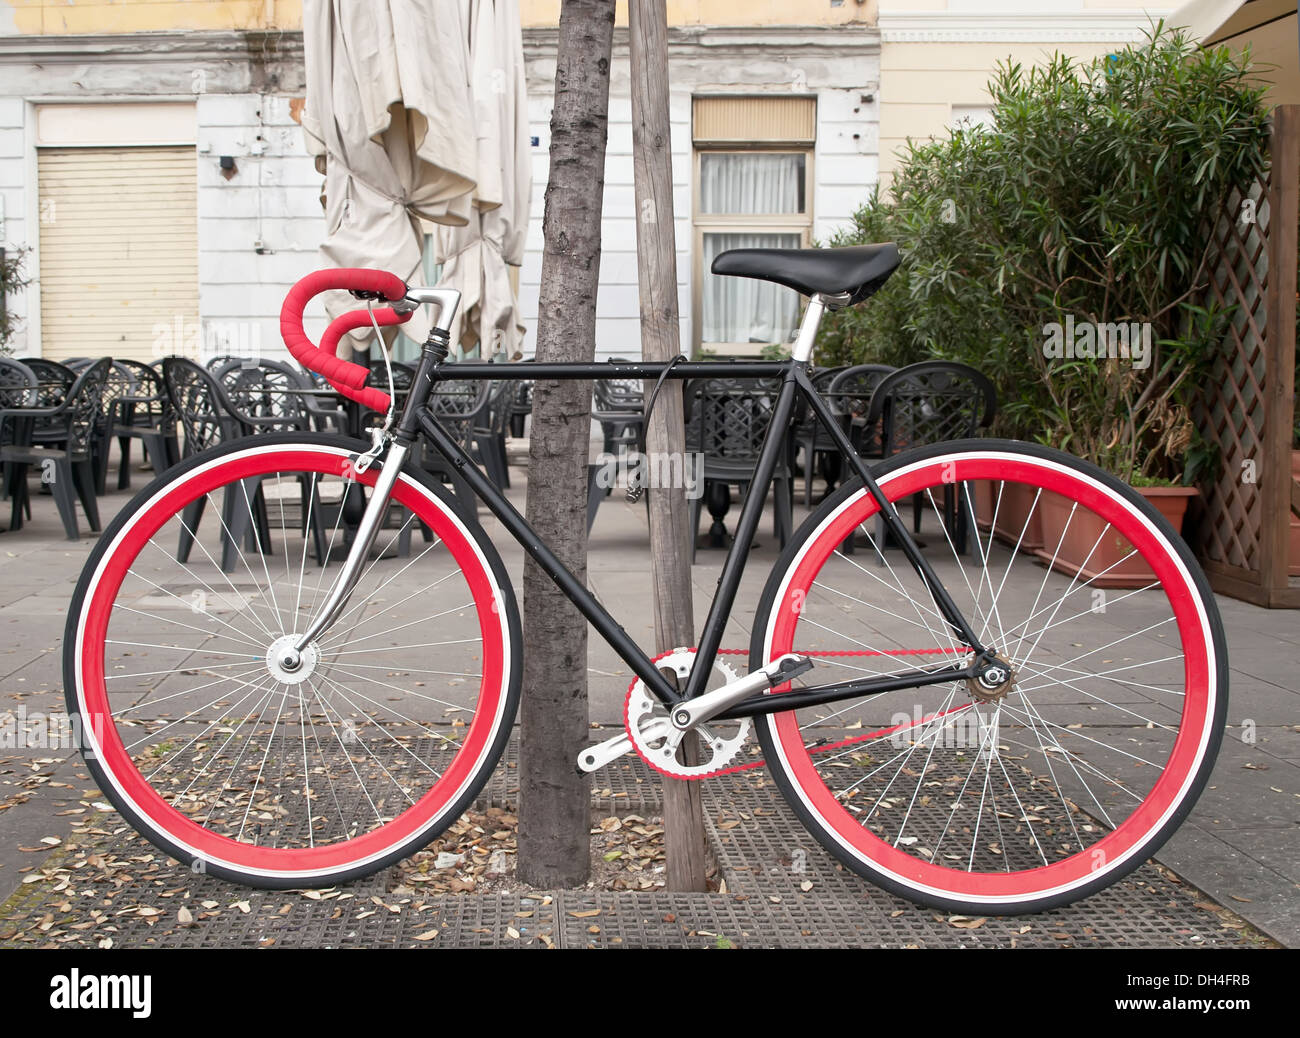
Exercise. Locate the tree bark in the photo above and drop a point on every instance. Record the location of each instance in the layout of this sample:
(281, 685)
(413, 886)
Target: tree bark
(554, 801)
(660, 340)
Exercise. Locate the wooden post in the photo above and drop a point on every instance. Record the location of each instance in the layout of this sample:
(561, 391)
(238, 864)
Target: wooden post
(1279, 357)
(660, 340)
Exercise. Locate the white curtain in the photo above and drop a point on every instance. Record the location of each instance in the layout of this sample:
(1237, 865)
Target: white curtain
(740, 310)
(755, 182)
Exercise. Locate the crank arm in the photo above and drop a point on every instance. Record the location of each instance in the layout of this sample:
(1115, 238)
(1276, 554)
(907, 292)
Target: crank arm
(593, 758)
(692, 712)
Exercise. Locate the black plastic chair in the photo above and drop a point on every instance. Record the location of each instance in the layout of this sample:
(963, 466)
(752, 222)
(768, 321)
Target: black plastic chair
(521, 404)
(119, 389)
(726, 422)
(932, 402)
(207, 420)
(489, 434)
(55, 380)
(815, 441)
(262, 395)
(458, 405)
(64, 453)
(618, 404)
(17, 390)
(148, 417)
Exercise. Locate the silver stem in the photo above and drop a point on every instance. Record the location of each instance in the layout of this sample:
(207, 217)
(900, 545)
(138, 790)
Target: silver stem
(371, 521)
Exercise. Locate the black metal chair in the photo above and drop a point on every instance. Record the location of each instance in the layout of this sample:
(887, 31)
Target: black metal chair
(726, 421)
(60, 441)
(932, 402)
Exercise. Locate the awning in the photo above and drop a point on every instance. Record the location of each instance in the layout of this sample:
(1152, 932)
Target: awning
(1268, 27)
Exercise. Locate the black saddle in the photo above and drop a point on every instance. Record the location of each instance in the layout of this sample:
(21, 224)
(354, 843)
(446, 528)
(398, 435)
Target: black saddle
(858, 270)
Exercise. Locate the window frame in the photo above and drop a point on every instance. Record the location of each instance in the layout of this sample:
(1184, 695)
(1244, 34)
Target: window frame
(702, 223)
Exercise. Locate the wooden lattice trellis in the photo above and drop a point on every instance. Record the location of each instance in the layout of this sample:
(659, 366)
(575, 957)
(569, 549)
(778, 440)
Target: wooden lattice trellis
(1242, 538)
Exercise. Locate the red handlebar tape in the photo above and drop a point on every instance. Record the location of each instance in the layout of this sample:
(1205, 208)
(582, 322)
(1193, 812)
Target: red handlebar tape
(348, 378)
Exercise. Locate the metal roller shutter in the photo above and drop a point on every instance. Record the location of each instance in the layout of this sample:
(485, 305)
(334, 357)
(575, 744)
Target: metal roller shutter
(119, 257)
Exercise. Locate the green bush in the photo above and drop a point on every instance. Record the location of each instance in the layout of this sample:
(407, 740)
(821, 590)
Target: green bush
(1085, 202)
(11, 281)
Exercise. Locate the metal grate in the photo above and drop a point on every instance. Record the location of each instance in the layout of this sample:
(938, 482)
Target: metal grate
(764, 857)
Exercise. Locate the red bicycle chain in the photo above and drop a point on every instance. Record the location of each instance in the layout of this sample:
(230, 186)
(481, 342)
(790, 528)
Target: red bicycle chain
(627, 703)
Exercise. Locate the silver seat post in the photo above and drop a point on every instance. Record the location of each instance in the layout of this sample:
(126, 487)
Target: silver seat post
(447, 300)
(818, 305)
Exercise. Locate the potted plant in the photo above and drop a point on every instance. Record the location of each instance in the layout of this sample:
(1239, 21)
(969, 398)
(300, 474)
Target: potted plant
(1061, 250)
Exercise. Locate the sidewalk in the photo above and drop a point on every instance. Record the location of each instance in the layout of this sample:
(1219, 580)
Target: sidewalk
(1230, 877)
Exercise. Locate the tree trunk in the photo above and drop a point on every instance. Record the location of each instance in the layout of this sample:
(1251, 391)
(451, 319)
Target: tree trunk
(670, 553)
(554, 802)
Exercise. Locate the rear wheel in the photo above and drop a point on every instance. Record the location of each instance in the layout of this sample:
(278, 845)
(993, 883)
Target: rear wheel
(278, 778)
(1050, 786)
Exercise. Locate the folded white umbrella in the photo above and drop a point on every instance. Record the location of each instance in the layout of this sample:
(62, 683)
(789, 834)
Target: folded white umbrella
(476, 258)
(390, 120)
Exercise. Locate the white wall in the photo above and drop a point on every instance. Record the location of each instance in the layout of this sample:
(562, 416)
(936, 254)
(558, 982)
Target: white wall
(840, 68)
(274, 198)
(15, 198)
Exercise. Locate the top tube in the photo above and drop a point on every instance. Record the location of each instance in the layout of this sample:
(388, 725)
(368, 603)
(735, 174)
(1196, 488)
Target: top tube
(604, 370)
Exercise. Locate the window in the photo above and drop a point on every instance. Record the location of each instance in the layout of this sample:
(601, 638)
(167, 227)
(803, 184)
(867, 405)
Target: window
(751, 192)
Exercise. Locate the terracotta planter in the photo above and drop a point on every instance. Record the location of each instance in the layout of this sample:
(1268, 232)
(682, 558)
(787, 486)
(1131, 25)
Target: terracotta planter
(1017, 500)
(1114, 556)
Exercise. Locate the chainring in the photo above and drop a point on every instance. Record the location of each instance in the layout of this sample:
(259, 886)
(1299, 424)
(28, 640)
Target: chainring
(656, 740)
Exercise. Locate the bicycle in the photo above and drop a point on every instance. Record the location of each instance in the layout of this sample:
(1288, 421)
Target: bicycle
(969, 729)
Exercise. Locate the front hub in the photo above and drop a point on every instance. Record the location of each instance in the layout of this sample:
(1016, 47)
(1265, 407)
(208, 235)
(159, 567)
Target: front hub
(289, 666)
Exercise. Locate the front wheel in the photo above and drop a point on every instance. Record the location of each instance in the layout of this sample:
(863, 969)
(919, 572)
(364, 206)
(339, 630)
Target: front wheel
(229, 762)
(1057, 782)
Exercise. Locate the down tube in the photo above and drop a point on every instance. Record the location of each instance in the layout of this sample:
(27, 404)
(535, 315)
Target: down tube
(606, 626)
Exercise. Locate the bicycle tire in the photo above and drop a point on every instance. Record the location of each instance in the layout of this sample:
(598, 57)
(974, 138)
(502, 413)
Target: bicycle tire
(356, 782)
(1081, 732)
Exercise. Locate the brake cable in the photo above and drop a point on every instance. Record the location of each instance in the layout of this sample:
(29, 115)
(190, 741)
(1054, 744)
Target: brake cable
(379, 433)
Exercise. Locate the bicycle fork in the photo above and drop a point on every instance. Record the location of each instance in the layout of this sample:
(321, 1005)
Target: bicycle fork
(291, 650)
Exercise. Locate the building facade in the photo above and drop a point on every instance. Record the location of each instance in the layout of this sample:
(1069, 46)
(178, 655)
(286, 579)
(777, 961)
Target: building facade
(152, 165)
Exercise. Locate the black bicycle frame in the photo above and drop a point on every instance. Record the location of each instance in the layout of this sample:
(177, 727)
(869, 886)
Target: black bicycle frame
(417, 416)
